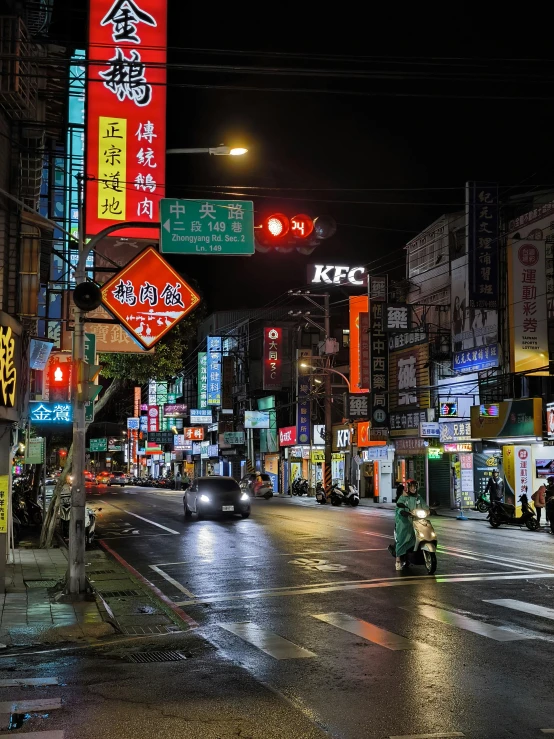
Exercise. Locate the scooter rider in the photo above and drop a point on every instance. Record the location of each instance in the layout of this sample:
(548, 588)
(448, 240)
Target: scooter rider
(404, 530)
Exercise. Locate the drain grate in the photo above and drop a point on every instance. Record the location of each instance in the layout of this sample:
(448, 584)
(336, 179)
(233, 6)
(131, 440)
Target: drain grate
(142, 657)
(119, 593)
(40, 583)
(139, 630)
(100, 572)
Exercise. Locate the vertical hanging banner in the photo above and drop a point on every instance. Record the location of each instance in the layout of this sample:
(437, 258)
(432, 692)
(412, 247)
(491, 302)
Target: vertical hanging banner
(137, 397)
(357, 304)
(364, 349)
(214, 347)
(303, 412)
(482, 246)
(153, 418)
(527, 302)
(202, 379)
(126, 112)
(273, 348)
(379, 365)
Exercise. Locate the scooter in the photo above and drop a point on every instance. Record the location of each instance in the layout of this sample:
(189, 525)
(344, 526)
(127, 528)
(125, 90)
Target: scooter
(352, 496)
(504, 514)
(425, 550)
(90, 519)
(483, 503)
(336, 495)
(320, 493)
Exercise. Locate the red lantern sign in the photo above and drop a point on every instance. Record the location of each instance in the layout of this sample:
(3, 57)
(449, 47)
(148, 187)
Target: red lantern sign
(126, 97)
(301, 226)
(149, 297)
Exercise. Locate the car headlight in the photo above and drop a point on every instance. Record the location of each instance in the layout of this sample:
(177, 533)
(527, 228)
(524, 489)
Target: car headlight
(420, 513)
(244, 496)
(205, 498)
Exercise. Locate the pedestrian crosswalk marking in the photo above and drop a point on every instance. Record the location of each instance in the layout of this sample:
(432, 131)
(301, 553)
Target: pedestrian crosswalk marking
(469, 624)
(30, 681)
(30, 706)
(367, 631)
(520, 605)
(267, 641)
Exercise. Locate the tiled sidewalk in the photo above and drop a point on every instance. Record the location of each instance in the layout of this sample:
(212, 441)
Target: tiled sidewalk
(28, 613)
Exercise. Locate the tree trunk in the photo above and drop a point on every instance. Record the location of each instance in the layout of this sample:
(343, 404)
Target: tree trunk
(51, 517)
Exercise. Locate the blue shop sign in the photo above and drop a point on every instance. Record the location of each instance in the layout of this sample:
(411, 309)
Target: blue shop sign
(477, 359)
(41, 411)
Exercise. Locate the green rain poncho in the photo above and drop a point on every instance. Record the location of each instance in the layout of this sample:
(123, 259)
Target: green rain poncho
(405, 536)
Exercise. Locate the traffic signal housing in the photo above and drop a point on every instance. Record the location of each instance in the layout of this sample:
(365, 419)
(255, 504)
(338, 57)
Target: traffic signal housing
(284, 233)
(86, 376)
(59, 381)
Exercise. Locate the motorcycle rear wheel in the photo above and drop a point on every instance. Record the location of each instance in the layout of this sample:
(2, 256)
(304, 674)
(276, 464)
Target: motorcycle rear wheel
(532, 524)
(482, 507)
(354, 502)
(494, 522)
(430, 561)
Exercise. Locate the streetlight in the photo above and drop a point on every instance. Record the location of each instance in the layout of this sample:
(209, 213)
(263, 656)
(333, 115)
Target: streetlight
(327, 369)
(217, 151)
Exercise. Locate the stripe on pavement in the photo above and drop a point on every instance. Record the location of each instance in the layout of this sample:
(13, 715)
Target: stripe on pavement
(440, 735)
(136, 515)
(22, 681)
(520, 605)
(273, 644)
(38, 735)
(498, 633)
(30, 706)
(367, 631)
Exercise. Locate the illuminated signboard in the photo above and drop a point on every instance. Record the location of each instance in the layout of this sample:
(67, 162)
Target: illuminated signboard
(41, 411)
(449, 409)
(214, 347)
(200, 415)
(330, 274)
(126, 101)
(489, 410)
(273, 349)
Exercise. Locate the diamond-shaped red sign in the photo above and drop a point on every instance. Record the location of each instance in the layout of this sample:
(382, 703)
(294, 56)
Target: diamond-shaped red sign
(148, 297)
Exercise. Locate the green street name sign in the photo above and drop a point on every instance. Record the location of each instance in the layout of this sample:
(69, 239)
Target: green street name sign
(98, 445)
(224, 227)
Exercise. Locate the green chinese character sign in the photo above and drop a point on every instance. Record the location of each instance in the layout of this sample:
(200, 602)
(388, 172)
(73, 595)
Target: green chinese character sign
(224, 227)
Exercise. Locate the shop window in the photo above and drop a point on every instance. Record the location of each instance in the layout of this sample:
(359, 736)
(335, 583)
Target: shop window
(346, 337)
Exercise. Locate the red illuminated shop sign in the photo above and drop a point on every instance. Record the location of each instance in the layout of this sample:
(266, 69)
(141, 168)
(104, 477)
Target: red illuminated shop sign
(287, 436)
(273, 348)
(126, 101)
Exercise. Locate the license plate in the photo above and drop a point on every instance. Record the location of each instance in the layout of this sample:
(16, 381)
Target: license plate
(228, 508)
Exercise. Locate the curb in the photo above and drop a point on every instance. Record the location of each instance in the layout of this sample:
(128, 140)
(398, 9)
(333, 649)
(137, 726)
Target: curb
(167, 604)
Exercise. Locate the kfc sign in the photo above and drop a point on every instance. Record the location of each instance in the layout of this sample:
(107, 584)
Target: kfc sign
(321, 274)
(287, 436)
(273, 351)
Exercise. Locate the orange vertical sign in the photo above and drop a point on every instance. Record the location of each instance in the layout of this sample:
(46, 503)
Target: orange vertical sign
(358, 304)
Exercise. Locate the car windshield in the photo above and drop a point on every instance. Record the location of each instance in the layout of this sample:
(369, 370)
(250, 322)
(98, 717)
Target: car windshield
(218, 485)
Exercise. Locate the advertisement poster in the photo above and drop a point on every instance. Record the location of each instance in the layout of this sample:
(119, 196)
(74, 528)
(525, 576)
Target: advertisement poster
(515, 418)
(528, 306)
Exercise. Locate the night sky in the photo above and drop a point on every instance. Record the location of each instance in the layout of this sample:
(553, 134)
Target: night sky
(423, 116)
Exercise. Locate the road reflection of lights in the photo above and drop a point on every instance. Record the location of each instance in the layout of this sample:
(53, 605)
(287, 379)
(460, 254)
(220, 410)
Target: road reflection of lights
(206, 542)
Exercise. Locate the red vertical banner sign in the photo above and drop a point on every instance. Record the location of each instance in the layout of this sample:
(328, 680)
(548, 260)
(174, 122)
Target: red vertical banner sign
(358, 304)
(364, 350)
(273, 363)
(137, 401)
(126, 114)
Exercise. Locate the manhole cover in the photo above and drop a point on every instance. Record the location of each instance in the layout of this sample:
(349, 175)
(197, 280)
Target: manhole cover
(40, 583)
(156, 657)
(119, 593)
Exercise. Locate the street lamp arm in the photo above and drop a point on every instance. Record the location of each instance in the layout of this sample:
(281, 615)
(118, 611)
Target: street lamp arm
(329, 369)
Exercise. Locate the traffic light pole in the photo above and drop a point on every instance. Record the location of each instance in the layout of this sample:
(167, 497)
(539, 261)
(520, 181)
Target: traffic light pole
(76, 580)
(328, 405)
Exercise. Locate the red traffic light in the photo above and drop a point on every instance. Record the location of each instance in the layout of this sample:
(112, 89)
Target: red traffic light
(59, 381)
(276, 226)
(301, 226)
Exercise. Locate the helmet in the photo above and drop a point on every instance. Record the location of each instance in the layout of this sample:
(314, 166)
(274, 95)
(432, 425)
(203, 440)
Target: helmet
(550, 480)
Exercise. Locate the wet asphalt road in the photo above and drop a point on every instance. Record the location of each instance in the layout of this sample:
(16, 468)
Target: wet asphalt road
(304, 600)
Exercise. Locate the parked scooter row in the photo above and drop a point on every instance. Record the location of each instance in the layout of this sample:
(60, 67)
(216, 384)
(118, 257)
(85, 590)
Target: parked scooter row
(167, 483)
(336, 495)
(300, 486)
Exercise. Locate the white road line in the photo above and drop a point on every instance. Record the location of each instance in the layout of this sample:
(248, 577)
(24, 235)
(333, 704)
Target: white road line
(498, 633)
(441, 735)
(38, 735)
(267, 641)
(136, 515)
(500, 560)
(479, 558)
(547, 731)
(30, 706)
(367, 631)
(22, 681)
(520, 605)
(209, 560)
(170, 579)
(359, 585)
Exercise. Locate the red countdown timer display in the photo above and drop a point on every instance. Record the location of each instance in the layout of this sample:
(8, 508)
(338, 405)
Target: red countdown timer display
(301, 226)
